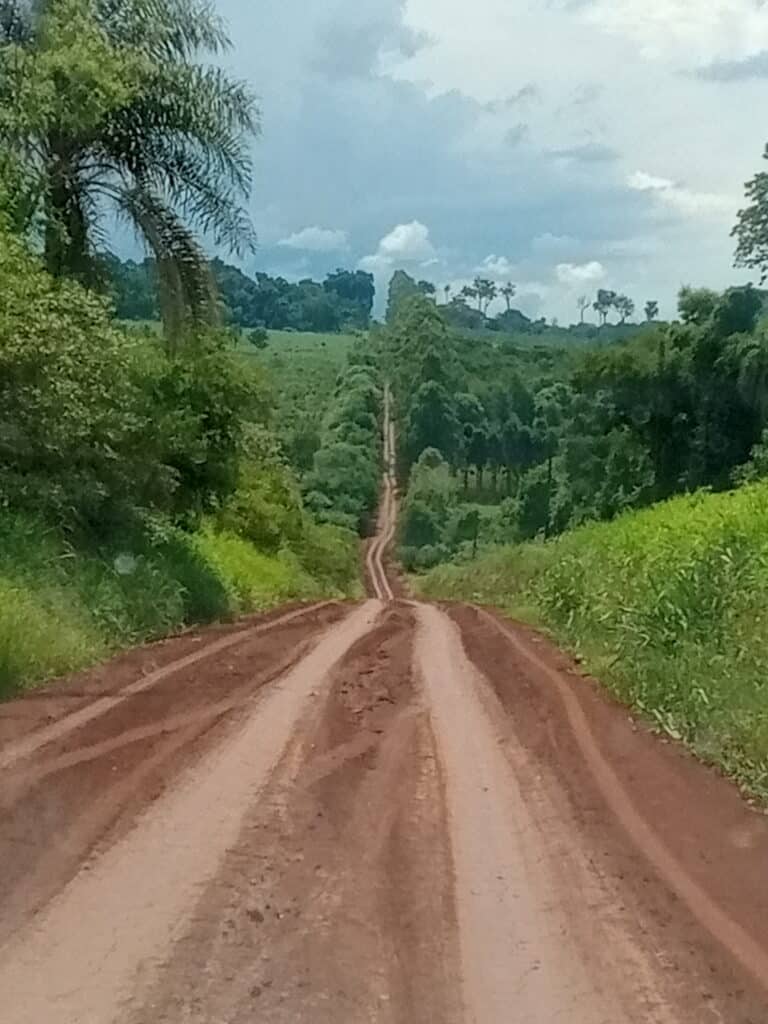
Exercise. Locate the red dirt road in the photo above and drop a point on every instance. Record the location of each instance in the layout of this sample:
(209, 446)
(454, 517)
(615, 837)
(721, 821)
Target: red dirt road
(383, 812)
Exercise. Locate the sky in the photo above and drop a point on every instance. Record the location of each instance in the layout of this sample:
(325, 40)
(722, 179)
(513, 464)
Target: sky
(563, 145)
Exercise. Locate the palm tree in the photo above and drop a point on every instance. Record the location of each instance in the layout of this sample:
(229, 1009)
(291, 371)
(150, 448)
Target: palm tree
(170, 152)
(509, 291)
(447, 289)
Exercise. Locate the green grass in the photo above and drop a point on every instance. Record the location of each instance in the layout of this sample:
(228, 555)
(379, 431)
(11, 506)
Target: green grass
(64, 608)
(668, 607)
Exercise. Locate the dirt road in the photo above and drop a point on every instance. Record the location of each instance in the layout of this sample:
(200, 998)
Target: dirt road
(383, 812)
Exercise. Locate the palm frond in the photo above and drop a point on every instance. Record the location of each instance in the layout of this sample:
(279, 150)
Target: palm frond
(186, 290)
(166, 30)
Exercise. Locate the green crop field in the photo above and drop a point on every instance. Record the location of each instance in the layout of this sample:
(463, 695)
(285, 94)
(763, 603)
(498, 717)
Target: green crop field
(301, 372)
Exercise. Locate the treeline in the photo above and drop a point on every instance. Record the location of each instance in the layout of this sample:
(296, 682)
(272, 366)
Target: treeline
(680, 407)
(343, 301)
(342, 486)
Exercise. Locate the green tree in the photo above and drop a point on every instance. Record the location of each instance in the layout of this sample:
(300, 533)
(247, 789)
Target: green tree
(696, 305)
(625, 307)
(401, 287)
(651, 310)
(109, 111)
(751, 230)
(508, 292)
(603, 304)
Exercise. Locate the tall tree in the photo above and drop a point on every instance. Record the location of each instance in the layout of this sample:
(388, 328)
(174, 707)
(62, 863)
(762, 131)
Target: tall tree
(651, 310)
(583, 303)
(625, 307)
(509, 291)
(751, 230)
(604, 303)
(110, 111)
(447, 292)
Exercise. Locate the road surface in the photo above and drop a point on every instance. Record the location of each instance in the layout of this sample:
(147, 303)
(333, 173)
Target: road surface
(387, 812)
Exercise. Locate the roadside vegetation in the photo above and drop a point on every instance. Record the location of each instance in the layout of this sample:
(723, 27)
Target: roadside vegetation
(667, 606)
(615, 494)
(144, 482)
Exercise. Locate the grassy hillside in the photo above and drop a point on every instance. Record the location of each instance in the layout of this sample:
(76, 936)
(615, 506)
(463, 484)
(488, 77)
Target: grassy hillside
(64, 608)
(668, 607)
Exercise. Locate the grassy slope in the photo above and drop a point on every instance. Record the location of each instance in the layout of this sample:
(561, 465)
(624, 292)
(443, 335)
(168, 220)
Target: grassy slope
(63, 609)
(668, 607)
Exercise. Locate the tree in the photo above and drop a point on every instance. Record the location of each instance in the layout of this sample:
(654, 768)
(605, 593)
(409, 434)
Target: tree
(651, 310)
(751, 230)
(447, 292)
(583, 303)
(109, 111)
(470, 294)
(696, 305)
(401, 287)
(485, 291)
(509, 291)
(357, 291)
(625, 307)
(603, 304)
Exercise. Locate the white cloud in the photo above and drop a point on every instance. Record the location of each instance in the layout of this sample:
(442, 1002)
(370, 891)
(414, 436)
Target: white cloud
(579, 274)
(408, 242)
(690, 31)
(405, 244)
(499, 268)
(683, 200)
(316, 239)
(642, 182)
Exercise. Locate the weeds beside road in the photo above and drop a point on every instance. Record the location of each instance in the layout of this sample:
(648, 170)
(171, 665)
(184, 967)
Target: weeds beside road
(668, 607)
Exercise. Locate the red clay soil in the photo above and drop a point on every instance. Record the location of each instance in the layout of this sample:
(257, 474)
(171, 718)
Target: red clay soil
(335, 903)
(379, 812)
(687, 854)
(87, 787)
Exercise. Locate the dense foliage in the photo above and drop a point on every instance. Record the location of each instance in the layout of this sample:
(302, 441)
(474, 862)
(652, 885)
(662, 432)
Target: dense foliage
(140, 490)
(343, 485)
(561, 438)
(107, 109)
(343, 301)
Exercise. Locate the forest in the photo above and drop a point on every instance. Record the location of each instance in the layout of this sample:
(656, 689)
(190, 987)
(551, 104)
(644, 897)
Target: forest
(343, 301)
(581, 435)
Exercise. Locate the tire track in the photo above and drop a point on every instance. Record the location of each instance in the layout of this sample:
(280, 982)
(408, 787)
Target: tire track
(31, 743)
(134, 901)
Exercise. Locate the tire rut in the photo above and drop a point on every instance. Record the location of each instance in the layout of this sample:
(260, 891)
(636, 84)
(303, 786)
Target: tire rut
(335, 903)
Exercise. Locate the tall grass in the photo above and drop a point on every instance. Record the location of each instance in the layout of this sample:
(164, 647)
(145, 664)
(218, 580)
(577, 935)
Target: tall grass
(64, 607)
(668, 607)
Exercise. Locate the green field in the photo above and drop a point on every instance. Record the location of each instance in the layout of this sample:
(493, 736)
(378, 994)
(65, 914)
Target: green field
(668, 607)
(301, 373)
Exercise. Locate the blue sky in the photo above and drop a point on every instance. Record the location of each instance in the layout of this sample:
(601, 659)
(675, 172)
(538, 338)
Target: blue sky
(564, 145)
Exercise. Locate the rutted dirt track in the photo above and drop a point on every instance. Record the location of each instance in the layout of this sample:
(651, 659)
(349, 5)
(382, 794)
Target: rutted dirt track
(383, 812)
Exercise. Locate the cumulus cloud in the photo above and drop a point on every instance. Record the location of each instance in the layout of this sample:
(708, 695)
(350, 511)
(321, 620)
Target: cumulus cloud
(580, 274)
(316, 239)
(367, 127)
(681, 199)
(498, 268)
(406, 243)
(688, 32)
